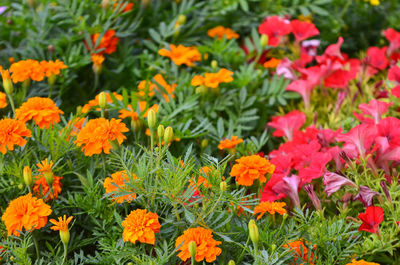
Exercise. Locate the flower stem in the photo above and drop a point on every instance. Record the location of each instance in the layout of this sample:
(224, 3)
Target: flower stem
(11, 103)
(65, 254)
(36, 246)
(192, 259)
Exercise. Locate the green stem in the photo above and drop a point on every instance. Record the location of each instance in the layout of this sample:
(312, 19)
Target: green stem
(36, 246)
(193, 261)
(51, 90)
(11, 103)
(65, 254)
(242, 254)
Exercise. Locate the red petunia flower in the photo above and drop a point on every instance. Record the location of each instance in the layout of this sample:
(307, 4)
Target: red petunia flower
(286, 125)
(371, 219)
(303, 30)
(275, 27)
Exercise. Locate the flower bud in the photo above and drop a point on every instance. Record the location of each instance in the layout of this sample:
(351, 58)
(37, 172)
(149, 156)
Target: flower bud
(264, 40)
(114, 144)
(285, 216)
(214, 64)
(169, 135)
(273, 247)
(223, 186)
(192, 249)
(160, 131)
(201, 90)
(231, 262)
(144, 3)
(79, 110)
(31, 3)
(105, 4)
(204, 143)
(151, 118)
(102, 100)
(7, 84)
(182, 19)
(48, 176)
(64, 236)
(27, 173)
(20, 186)
(253, 231)
(136, 125)
(52, 79)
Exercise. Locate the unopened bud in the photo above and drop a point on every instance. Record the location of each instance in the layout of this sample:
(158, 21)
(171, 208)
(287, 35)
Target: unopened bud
(214, 64)
(223, 186)
(253, 231)
(231, 262)
(105, 4)
(50, 48)
(31, 3)
(264, 40)
(102, 100)
(20, 186)
(52, 79)
(48, 176)
(78, 110)
(64, 235)
(201, 90)
(160, 131)
(7, 84)
(136, 125)
(192, 249)
(145, 3)
(151, 118)
(27, 173)
(204, 143)
(182, 19)
(273, 247)
(169, 135)
(285, 216)
(114, 144)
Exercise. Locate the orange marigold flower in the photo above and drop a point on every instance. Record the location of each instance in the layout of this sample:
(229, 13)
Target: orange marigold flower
(25, 212)
(361, 262)
(143, 106)
(95, 102)
(11, 133)
(62, 224)
(300, 251)
(97, 59)
(147, 88)
(270, 207)
(220, 31)
(208, 171)
(181, 54)
(45, 166)
(230, 143)
(108, 43)
(42, 189)
(125, 113)
(52, 68)
(3, 100)
(117, 184)
(141, 226)
(25, 70)
(95, 137)
(213, 80)
(272, 63)
(250, 168)
(127, 6)
(42, 110)
(205, 244)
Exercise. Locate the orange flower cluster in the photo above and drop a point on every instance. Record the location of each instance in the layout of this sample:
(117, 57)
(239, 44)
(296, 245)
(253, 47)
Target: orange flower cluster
(147, 88)
(62, 224)
(117, 183)
(270, 207)
(95, 102)
(141, 226)
(108, 43)
(300, 251)
(230, 143)
(250, 168)
(95, 137)
(206, 246)
(127, 6)
(208, 171)
(25, 212)
(42, 110)
(11, 133)
(272, 63)
(3, 100)
(361, 262)
(220, 31)
(181, 54)
(32, 69)
(212, 80)
(41, 188)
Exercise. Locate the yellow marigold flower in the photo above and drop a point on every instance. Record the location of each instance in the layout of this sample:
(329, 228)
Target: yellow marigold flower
(27, 69)
(250, 168)
(220, 31)
(12, 133)
(25, 212)
(42, 110)
(361, 262)
(52, 68)
(141, 226)
(117, 184)
(272, 63)
(181, 54)
(206, 246)
(95, 137)
(229, 143)
(213, 80)
(270, 207)
(3, 100)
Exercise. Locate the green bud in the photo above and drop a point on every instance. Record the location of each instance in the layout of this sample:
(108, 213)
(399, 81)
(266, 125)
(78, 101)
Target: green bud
(264, 40)
(27, 173)
(151, 118)
(52, 79)
(48, 176)
(64, 235)
(253, 231)
(214, 64)
(201, 90)
(192, 249)
(231, 262)
(137, 125)
(102, 100)
(223, 186)
(160, 131)
(182, 19)
(204, 143)
(169, 135)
